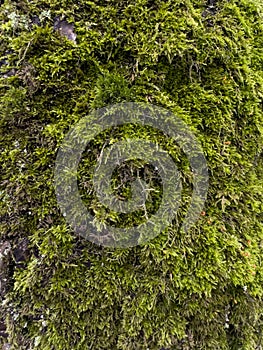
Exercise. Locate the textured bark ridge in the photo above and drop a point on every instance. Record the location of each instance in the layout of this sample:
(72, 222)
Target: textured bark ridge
(5, 257)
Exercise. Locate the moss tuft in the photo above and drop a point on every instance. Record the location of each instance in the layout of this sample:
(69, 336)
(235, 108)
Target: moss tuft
(203, 62)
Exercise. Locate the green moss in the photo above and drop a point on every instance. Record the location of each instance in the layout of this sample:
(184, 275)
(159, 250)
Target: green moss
(204, 66)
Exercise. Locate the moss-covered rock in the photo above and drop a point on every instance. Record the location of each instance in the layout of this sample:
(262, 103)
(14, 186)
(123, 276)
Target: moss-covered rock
(61, 60)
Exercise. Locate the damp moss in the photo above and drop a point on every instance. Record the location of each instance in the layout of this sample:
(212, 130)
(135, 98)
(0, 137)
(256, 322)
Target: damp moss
(200, 60)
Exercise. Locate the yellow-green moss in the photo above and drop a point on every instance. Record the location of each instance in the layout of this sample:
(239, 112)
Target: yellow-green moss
(175, 292)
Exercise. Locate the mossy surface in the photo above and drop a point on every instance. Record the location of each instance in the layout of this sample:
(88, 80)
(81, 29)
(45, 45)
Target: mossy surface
(198, 290)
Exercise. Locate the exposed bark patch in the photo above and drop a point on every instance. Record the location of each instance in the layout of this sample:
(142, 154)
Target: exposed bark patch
(66, 29)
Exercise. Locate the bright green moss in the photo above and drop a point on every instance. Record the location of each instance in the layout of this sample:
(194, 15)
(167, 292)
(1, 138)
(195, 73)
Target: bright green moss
(176, 291)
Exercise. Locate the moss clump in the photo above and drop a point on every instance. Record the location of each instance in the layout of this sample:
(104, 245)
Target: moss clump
(199, 290)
